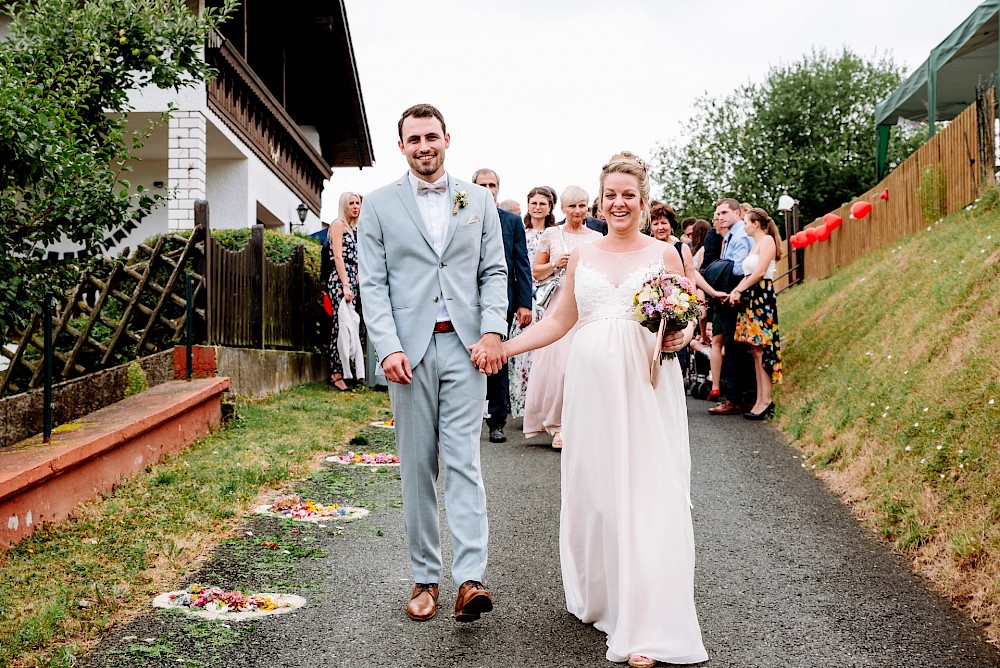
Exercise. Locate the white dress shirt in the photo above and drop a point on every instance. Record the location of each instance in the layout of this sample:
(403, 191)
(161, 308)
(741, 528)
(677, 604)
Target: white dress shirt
(434, 209)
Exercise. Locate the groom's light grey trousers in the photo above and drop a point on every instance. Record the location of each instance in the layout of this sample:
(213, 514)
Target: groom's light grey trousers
(441, 412)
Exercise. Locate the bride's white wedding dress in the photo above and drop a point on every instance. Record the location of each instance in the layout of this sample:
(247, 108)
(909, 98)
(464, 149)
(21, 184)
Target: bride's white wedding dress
(625, 539)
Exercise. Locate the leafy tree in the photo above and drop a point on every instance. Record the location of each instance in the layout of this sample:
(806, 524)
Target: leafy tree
(65, 72)
(807, 130)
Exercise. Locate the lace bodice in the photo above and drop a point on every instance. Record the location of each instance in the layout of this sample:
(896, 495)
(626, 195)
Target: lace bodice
(606, 283)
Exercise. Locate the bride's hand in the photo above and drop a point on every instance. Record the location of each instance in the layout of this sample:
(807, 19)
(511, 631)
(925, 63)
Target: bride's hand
(674, 341)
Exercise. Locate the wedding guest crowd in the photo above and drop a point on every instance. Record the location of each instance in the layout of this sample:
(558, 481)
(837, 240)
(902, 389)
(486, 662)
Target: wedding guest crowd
(738, 331)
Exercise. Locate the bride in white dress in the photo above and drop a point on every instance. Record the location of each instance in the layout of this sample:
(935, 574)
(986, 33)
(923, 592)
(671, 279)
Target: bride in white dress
(625, 538)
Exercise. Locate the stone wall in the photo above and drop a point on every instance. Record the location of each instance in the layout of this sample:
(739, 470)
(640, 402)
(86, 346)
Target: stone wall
(22, 415)
(254, 373)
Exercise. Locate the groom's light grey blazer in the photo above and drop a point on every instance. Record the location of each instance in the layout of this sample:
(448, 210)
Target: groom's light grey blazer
(401, 275)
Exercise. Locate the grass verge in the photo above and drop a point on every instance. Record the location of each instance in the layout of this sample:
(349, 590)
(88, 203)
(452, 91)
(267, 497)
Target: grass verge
(66, 585)
(892, 390)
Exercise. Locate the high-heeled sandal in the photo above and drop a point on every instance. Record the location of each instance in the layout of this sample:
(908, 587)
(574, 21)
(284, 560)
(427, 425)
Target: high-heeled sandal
(557, 441)
(640, 661)
(333, 383)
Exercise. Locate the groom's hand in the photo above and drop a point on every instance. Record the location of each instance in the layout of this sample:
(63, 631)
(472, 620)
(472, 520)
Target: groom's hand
(487, 354)
(397, 368)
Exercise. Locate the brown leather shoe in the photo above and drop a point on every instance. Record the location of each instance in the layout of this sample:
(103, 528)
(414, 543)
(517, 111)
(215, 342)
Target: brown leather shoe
(727, 407)
(423, 602)
(473, 600)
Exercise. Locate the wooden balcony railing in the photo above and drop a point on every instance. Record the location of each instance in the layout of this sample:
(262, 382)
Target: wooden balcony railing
(239, 97)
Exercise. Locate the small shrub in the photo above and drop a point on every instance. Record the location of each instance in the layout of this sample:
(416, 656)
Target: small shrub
(137, 381)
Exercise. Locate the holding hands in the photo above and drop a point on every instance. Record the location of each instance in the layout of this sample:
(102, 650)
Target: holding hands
(488, 354)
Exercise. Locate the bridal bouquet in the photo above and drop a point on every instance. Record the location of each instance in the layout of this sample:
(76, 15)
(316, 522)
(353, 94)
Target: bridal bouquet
(667, 303)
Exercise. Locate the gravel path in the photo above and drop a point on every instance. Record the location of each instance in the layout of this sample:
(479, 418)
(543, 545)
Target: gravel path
(785, 578)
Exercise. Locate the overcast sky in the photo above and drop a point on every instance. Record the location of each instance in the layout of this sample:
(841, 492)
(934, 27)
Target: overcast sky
(544, 92)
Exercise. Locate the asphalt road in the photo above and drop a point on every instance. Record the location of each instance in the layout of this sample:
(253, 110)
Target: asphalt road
(785, 578)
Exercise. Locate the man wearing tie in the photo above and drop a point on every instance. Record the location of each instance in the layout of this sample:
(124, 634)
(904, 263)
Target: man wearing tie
(433, 277)
(515, 248)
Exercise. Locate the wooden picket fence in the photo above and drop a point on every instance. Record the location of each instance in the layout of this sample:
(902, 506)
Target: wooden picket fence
(137, 306)
(964, 151)
(257, 303)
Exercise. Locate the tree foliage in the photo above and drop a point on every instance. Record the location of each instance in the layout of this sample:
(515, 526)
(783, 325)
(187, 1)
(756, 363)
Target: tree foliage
(807, 130)
(66, 69)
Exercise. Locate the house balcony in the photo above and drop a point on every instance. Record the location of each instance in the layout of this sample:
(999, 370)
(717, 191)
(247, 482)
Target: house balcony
(246, 106)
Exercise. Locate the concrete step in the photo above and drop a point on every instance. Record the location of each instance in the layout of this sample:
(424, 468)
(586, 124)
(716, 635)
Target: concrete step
(44, 482)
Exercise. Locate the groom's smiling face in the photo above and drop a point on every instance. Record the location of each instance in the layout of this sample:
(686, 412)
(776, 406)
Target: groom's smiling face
(424, 143)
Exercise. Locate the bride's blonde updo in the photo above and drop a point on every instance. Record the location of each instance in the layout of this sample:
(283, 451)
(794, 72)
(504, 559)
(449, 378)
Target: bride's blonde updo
(626, 162)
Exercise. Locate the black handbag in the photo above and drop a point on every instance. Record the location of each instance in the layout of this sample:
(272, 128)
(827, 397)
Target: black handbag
(719, 275)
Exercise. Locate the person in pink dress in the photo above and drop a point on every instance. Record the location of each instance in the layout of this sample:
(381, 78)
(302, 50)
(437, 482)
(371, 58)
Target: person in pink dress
(544, 397)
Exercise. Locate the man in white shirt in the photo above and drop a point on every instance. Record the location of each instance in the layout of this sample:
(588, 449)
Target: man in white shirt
(434, 282)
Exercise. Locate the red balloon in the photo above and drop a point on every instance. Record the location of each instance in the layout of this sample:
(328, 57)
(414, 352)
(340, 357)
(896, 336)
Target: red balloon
(824, 232)
(812, 234)
(795, 241)
(860, 209)
(884, 195)
(833, 221)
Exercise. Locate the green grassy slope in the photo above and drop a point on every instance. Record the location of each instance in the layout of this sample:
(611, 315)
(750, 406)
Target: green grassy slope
(892, 390)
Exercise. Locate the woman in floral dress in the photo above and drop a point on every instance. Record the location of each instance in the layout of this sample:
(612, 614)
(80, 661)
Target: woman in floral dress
(343, 281)
(541, 204)
(757, 323)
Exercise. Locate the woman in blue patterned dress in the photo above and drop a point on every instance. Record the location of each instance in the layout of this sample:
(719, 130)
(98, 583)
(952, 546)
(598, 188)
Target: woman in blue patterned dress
(343, 281)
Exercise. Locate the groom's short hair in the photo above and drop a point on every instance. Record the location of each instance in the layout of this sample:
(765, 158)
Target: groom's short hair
(421, 111)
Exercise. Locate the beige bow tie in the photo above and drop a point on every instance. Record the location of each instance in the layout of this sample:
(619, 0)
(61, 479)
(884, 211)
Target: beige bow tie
(423, 188)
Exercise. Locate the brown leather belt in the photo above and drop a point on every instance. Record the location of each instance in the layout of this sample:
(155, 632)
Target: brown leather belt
(443, 326)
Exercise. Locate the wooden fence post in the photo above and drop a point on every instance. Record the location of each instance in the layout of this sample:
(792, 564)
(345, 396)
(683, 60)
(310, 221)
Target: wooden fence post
(201, 219)
(257, 283)
(298, 277)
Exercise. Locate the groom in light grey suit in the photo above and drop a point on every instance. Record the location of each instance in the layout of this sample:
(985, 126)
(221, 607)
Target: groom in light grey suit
(434, 282)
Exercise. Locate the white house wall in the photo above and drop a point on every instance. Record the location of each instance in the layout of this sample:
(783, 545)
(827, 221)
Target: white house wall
(227, 185)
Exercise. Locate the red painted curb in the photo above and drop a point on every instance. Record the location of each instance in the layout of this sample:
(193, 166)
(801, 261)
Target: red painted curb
(44, 483)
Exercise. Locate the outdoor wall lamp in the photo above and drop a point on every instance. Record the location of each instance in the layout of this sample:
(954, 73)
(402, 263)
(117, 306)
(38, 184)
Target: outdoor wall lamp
(303, 211)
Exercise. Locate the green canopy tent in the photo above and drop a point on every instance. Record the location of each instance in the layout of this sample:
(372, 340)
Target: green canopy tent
(944, 84)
